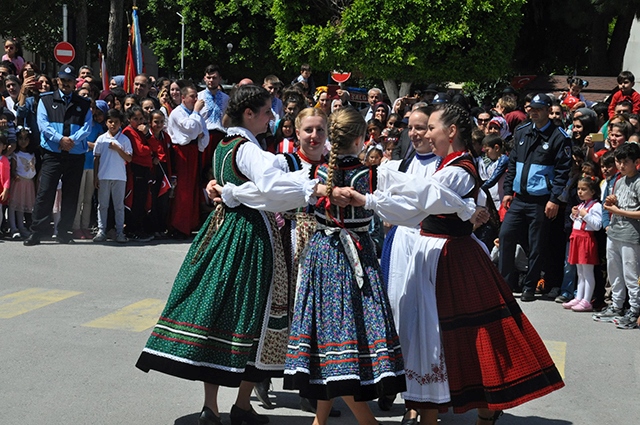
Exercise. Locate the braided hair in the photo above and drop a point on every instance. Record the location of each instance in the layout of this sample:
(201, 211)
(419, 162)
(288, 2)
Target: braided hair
(243, 97)
(453, 114)
(345, 126)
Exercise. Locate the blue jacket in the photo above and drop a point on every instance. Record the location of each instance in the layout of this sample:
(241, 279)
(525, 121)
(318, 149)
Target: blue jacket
(539, 163)
(28, 114)
(56, 120)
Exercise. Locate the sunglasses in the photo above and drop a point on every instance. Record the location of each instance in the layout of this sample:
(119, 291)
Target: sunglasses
(483, 121)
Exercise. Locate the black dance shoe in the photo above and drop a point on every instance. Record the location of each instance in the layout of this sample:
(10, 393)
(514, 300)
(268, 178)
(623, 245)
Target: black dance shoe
(250, 417)
(207, 417)
(408, 421)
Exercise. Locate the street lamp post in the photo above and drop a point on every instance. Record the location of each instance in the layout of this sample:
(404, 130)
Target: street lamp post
(182, 48)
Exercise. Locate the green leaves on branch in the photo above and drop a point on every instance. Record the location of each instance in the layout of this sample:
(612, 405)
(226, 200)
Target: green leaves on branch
(413, 40)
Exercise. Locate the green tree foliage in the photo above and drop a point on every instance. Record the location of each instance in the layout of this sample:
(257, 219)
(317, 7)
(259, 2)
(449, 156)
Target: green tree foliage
(411, 40)
(209, 27)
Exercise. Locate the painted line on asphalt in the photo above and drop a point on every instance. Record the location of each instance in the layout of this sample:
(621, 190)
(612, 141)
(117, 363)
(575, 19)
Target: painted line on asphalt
(17, 303)
(558, 352)
(136, 317)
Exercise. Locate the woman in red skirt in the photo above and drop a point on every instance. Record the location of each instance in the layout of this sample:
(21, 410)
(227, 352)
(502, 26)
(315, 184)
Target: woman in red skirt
(469, 344)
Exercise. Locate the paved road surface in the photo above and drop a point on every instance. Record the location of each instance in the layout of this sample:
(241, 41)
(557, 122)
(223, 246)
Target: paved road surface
(73, 320)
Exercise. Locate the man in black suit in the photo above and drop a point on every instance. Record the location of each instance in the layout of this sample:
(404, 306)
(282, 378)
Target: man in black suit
(373, 96)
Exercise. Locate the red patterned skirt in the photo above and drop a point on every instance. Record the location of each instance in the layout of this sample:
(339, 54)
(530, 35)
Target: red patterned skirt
(583, 248)
(495, 358)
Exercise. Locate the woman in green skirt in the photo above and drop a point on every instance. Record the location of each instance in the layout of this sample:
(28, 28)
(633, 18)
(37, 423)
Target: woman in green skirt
(226, 320)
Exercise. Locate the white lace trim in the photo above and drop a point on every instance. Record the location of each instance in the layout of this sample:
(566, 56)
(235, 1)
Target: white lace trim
(241, 131)
(325, 381)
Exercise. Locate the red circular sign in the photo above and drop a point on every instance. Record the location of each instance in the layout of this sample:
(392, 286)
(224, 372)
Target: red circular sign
(64, 52)
(340, 77)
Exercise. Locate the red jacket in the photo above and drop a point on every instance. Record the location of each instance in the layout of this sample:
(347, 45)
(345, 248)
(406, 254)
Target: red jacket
(142, 151)
(618, 97)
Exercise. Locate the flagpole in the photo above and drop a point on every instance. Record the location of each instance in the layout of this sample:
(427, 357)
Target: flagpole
(182, 48)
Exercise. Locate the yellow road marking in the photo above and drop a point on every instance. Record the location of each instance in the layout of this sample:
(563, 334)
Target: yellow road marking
(136, 317)
(558, 352)
(21, 302)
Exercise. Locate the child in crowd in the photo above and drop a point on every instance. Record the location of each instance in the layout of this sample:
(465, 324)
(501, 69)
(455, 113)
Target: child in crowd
(575, 86)
(112, 151)
(393, 119)
(160, 143)
(14, 54)
(140, 166)
(374, 131)
(623, 240)
(305, 79)
(286, 135)
(149, 104)
(130, 101)
(388, 152)
(23, 189)
(626, 81)
(583, 248)
(373, 157)
(5, 175)
(493, 167)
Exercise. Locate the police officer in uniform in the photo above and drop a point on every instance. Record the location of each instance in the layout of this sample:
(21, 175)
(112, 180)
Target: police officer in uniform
(538, 172)
(64, 120)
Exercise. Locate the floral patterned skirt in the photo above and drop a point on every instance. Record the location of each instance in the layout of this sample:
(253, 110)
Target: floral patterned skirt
(342, 340)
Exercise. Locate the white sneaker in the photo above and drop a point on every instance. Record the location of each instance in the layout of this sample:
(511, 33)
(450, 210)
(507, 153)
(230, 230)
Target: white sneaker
(100, 237)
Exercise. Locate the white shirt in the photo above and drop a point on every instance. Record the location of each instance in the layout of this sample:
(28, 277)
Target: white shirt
(270, 187)
(405, 199)
(214, 120)
(185, 126)
(112, 166)
(593, 218)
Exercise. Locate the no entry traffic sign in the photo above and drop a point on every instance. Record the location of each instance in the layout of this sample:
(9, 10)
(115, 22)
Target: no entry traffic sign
(64, 52)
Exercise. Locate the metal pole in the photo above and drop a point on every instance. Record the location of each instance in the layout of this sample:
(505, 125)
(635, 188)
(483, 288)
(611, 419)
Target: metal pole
(64, 22)
(182, 48)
